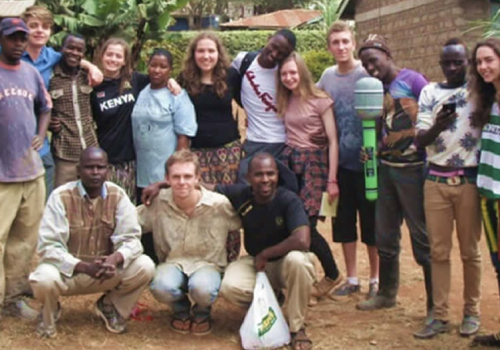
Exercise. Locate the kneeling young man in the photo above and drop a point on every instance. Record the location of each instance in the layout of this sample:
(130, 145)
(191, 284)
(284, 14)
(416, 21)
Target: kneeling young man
(89, 243)
(277, 237)
(190, 226)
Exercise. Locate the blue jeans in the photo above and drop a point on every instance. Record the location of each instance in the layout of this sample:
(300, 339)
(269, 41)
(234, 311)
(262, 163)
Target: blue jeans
(401, 197)
(48, 164)
(171, 286)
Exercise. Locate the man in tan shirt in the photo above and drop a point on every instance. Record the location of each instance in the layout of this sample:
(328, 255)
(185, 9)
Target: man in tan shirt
(190, 226)
(89, 242)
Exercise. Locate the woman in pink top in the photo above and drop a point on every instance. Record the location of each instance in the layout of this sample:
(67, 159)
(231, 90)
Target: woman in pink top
(311, 152)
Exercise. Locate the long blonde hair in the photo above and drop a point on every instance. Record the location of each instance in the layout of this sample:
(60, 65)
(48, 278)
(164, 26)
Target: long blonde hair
(307, 87)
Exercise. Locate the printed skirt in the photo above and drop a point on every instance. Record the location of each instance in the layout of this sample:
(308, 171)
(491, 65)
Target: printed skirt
(219, 165)
(123, 175)
(311, 168)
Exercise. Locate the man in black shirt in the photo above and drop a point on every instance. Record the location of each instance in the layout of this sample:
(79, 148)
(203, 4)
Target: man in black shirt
(277, 238)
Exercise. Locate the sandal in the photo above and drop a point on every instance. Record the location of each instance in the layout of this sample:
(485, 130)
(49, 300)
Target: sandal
(300, 341)
(179, 325)
(201, 326)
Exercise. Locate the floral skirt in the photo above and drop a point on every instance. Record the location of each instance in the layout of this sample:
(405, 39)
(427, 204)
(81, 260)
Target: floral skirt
(311, 168)
(123, 175)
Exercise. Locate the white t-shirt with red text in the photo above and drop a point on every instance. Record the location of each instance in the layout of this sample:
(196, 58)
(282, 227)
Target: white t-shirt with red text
(258, 96)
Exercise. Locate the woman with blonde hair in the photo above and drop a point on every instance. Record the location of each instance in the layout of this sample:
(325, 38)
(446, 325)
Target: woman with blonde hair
(210, 83)
(311, 152)
(112, 104)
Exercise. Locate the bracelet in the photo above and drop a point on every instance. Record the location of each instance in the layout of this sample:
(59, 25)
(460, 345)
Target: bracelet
(331, 181)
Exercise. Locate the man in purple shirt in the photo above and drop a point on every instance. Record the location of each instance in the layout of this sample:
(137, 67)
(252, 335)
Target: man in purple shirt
(401, 173)
(22, 187)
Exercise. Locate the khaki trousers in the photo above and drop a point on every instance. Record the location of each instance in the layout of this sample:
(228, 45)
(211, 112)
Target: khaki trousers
(21, 209)
(444, 205)
(295, 273)
(123, 290)
(65, 172)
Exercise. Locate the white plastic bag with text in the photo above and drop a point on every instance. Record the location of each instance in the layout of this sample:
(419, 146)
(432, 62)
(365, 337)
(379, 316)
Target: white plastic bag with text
(264, 326)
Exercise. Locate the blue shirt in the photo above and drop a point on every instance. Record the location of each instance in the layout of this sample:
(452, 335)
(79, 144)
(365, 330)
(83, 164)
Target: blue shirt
(157, 119)
(44, 63)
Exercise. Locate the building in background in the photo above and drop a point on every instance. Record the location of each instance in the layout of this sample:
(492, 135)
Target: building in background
(290, 19)
(13, 8)
(417, 29)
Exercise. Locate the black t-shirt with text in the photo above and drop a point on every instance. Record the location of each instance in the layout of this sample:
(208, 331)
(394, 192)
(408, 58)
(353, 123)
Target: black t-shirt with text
(267, 224)
(112, 113)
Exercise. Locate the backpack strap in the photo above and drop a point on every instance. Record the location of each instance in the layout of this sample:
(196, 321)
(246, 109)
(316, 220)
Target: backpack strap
(245, 63)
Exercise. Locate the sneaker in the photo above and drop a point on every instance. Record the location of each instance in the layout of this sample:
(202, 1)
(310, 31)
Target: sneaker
(372, 291)
(114, 322)
(45, 331)
(376, 302)
(492, 340)
(325, 286)
(346, 289)
(21, 309)
(432, 329)
(470, 325)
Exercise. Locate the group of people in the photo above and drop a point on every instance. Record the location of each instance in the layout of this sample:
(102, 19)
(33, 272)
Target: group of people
(171, 146)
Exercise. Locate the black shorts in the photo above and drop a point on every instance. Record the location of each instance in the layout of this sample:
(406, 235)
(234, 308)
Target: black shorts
(351, 201)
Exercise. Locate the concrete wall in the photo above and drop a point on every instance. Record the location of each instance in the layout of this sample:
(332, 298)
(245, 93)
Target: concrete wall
(417, 29)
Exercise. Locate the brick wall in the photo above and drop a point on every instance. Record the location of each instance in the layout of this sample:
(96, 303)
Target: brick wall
(417, 29)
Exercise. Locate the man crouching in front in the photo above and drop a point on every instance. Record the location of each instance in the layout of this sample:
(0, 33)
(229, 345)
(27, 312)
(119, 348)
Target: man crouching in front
(89, 242)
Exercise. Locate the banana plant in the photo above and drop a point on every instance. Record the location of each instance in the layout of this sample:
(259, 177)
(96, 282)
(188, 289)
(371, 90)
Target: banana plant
(136, 21)
(329, 11)
(489, 27)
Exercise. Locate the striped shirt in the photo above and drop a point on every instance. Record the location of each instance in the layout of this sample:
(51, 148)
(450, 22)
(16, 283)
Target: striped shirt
(77, 228)
(488, 179)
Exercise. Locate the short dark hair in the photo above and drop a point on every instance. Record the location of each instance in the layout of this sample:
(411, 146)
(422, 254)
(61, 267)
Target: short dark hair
(260, 155)
(456, 41)
(288, 35)
(163, 52)
(72, 35)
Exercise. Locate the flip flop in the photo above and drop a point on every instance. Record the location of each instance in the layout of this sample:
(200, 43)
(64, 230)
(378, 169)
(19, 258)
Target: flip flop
(181, 326)
(201, 327)
(300, 341)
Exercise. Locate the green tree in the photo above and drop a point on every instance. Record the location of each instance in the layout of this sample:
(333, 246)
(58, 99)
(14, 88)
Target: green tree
(197, 9)
(133, 20)
(266, 6)
(329, 11)
(489, 27)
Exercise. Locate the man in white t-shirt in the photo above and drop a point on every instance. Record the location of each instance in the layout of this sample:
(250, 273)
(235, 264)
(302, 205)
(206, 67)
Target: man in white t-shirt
(266, 131)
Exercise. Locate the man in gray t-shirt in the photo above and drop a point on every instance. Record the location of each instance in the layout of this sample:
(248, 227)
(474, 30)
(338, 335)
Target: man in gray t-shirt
(22, 185)
(339, 82)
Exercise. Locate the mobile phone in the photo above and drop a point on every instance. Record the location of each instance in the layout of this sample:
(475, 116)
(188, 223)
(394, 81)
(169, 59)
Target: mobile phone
(450, 107)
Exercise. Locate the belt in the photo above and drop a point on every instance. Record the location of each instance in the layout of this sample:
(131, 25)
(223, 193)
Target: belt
(452, 180)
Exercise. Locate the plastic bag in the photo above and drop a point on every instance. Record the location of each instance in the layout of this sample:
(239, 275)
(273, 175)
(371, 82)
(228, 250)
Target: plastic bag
(264, 326)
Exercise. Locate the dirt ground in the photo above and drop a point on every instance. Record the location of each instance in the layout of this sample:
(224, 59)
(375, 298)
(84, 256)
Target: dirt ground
(332, 324)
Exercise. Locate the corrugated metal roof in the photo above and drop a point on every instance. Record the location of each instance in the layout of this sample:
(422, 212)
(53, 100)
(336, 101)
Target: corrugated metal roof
(276, 20)
(14, 8)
